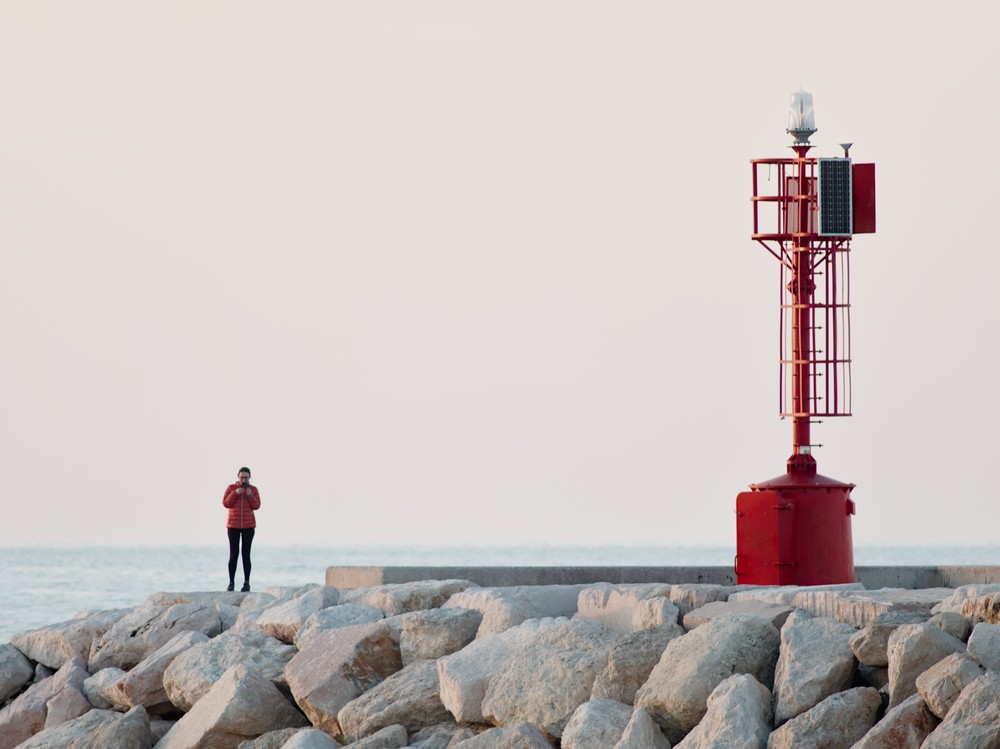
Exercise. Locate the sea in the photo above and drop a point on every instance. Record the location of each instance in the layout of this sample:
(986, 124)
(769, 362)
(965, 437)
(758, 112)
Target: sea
(43, 585)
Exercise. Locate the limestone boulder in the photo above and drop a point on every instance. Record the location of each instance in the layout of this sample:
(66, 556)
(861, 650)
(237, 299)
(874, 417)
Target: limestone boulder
(99, 689)
(15, 671)
(410, 697)
(860, 608)
(953, 623)
(241, 705)
(52, 700)
(596, 724)
(642, 732)
(973, 722)
(815, 661)
(284, 620)
(465, 675)
(520, 736)
(337, 666)
(256, 603)
(148, 628)
(143, 685)
(434, 633)
(503, 608)
(441, 736)
(691, 667)
(271, 739)
(961, 595)
(627, 608)
(630, 661)
(310, 738)
(984, 645)
(193, 671)
(390, 737)
(333, 617)
(871, 643)
(738, 717)
(784, 595)
(940, 685)
(838, 722)
(904, 727)
(913, 648)
(689, 596)
(57, 644)
(547, 680)
(404, 597)
(776, 614)
(96, 729)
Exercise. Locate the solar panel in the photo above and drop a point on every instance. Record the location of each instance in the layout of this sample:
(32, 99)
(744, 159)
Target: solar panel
(835, 198)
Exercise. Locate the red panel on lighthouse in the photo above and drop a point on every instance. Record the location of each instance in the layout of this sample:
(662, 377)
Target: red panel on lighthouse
(863, 177)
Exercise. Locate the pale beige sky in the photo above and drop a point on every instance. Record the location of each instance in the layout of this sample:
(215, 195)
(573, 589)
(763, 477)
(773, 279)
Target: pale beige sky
(447, 272)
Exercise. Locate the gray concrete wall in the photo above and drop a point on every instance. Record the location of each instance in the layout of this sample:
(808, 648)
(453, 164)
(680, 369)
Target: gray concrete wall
(871, 577)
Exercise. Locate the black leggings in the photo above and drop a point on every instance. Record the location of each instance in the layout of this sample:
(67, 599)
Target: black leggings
(234, 550)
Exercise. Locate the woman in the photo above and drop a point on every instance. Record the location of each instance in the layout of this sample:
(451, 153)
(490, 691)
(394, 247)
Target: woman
(241, 499)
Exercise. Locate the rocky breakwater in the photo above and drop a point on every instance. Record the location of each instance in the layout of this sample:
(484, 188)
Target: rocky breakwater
(440, 664)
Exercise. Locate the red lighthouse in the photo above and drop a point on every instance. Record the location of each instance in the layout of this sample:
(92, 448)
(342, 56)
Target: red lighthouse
(795, 529)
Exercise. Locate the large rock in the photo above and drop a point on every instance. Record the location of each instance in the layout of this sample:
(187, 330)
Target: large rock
(547, 680)
(860, 608)
(596, 724)
(96, 729)
(689, 596)
(738, 717)
(441, 736)
(240, 705)
(838, 722)
(99, 689)
(465, 675)
(630, 661)
(904, 727)
(148, 628)
(336, 666)
(271, 739)
(984, 645)
(284, 620)
(15, 671)
(310, 738)
(940, 685)
(815, 661)
(871, 643)
(961, 595)
(913, 648)
(520, 736)
(503, 608)
(193, 672)
(974, 720)
(390, 737)
(55, 645)
(642, 733)
(435, 633)
(953, 623)
(334, 617)
(676, 693)
(45, 704)
(776, 614)
(404, 597)
(785, 595)
(410, 698)
(143, 685)
(627, 608)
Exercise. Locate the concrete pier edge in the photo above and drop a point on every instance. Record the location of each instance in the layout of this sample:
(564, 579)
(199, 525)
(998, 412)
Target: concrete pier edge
(348, 577)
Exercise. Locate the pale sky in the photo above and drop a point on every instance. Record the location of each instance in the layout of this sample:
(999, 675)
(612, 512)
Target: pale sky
(468, 272)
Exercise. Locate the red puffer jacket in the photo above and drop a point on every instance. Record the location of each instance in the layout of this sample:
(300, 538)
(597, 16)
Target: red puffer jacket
(241, 506)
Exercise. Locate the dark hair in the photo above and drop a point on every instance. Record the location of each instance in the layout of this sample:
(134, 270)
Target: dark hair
(244, 468)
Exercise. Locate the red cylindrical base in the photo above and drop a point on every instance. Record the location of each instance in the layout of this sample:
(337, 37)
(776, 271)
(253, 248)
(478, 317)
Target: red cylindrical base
(795, 530)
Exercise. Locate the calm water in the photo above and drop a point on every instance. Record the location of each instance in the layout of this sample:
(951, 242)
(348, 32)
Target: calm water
(44, 585)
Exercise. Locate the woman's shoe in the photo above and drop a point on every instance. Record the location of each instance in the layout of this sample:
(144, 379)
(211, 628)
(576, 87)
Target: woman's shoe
(230, 588)
(245, 588)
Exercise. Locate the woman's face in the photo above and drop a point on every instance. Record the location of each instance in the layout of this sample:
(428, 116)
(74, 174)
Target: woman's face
(242, 477)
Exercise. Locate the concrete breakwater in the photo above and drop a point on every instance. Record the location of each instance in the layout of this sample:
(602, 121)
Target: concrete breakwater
(454, 662)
